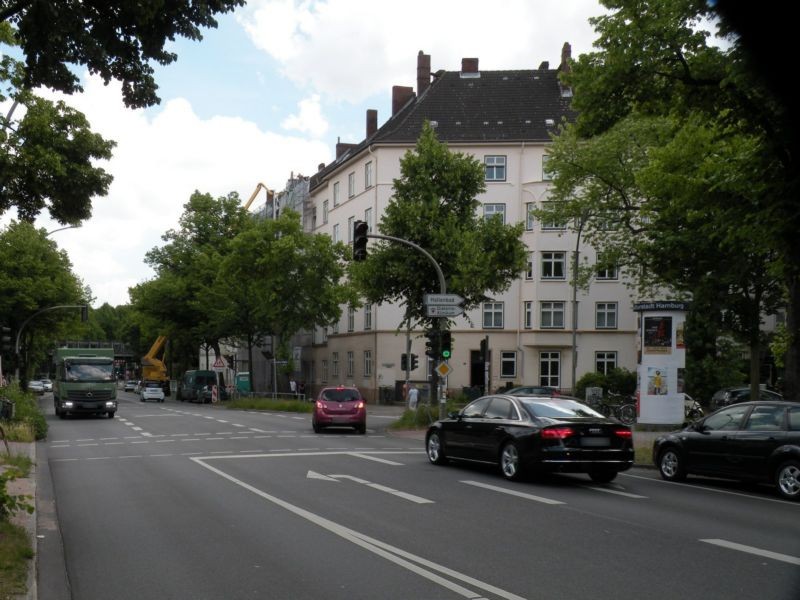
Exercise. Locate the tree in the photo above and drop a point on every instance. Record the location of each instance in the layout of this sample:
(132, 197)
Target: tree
(683, 147)
(435, 206)
(116, 40)
(277, 280)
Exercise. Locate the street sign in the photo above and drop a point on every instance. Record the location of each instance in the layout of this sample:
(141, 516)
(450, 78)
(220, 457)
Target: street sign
(443, 369)
(442, 300)
(443, 311)
(219, 363)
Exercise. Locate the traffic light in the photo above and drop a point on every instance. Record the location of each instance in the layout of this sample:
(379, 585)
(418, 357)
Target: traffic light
(360, 230)
(5, 339)
(404, 362)
(431, 344)
(445, 345)
(485, 349)
(414, 363)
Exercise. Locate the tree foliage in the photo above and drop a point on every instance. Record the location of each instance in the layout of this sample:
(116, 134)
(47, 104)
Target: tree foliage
(435, 206)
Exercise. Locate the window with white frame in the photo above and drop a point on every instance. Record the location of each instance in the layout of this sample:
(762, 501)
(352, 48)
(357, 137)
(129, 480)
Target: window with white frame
(324, 211)
(335, 328)
(351, 222)
(552, 315)
(368, 219)
(494, 168)
(351, 318)
(351, 363)
(529, 267)
(495, 210)
(546, 174)
(368, 175)
(508, 364)
(336, 196)
(528, 314)
(336, 235)
(554, 265)
(324, 334)
(552, 225)
(351, 185)
(606, 272)
(335, 364)
(367, 316)
(606, 315)
(529, 217)
(324, 371)
(605, 362)
(314, 219)
(493, 315)
(550, 369)
(367, 363)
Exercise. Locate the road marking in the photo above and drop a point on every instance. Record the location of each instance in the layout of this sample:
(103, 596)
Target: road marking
(611, 491)
(793, 560)
(388, 490)
(95, 444)
(423, 567)
(376, 459)
(710, 489)
(502, 490)
(237, 425)
(221, 421)
(85, 440)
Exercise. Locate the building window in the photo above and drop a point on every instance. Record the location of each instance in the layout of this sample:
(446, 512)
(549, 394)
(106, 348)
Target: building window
(552, 315)
(493, 210)
(546, 174)
(314, 219)
(351, 223)
(351, 318)
(553, 225)
(324, 371)
(508, 364)
(351, 363)
(494, 168)
(550, 369)
(606, 315)
(367, 363)
(335, 328)
(336, 194)
(529, 268)
(324, 212)
(368, 219)
(351, 185)
(368, 175)
(607, 272)
(336, 237)
(528, 316)
(529, 219)
(493, 315)
(335, 365)
(367, 317)
(554, 265)
(605, 362)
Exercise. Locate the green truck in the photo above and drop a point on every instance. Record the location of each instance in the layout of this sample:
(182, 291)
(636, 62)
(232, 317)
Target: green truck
(84, 382)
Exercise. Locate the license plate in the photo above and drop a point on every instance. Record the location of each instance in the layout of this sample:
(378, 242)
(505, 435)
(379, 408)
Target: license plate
(595, 442)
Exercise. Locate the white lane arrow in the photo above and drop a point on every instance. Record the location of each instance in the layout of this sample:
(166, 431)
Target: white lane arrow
(315, 475)
(375, 486)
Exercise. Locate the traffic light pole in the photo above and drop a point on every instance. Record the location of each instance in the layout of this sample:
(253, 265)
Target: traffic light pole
(84, 317)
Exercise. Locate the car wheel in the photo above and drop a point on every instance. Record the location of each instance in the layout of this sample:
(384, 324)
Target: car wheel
(627, 414)
(362, 429)
(316, 427)
(510, 464)
(603, 476)
(434, 447)
(111, 414)
(670, 465)
(787, 478)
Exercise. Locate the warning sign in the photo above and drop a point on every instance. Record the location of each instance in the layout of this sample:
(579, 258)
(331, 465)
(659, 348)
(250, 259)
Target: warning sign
(219, 363)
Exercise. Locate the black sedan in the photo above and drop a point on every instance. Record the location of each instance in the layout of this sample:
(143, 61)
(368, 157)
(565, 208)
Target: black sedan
(751, 441)
(533, 434)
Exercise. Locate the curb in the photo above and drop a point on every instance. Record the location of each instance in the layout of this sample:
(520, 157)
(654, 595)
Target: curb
(27, 486)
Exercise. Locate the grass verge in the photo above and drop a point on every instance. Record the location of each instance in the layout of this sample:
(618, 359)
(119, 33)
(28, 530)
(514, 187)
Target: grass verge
(15, 554)
(270, 404)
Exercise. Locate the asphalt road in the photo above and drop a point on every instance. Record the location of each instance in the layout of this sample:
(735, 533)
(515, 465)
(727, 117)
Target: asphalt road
(183, 501)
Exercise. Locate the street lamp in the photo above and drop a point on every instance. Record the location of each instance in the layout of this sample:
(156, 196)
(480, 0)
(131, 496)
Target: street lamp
(62, 229)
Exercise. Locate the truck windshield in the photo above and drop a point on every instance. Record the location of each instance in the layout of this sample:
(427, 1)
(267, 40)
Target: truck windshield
(88, 370)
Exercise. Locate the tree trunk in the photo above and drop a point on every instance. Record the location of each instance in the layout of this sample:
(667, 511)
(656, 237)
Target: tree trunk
(791, 379)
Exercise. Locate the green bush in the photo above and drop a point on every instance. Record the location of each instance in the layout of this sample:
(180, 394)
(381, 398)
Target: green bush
(26, 410)
(590, 380)
(622, 381)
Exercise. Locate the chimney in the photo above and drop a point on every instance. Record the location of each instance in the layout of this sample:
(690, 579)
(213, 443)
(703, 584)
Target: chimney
(423, 72)
(341, 147)
(469, 65)
(544, 66)
(372, 122)
(566, 57)
(320, 166)
(400, 95)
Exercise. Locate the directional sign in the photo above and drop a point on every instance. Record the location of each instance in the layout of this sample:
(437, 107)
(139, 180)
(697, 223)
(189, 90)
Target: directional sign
(443, 369)
(443, 311)
(442, 300)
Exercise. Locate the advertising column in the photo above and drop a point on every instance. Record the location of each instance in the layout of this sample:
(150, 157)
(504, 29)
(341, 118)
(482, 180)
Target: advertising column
(662, 358)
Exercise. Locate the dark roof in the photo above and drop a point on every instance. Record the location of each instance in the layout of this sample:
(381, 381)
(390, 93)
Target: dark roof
(495, 106)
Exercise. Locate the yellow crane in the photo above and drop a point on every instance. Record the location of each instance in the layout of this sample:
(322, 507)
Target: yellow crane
(252, 197)
(153, 367)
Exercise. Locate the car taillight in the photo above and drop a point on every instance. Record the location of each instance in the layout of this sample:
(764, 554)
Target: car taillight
(557, 433)
(624, 433)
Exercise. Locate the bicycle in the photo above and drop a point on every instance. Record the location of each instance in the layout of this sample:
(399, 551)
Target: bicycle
(618, 406)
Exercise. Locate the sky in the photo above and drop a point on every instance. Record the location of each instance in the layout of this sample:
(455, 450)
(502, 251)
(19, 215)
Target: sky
(267, 94)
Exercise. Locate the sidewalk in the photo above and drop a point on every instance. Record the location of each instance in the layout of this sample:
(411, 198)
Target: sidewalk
(26, 487)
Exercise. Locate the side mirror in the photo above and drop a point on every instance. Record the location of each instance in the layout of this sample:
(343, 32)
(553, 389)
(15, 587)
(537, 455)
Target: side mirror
(454, 415)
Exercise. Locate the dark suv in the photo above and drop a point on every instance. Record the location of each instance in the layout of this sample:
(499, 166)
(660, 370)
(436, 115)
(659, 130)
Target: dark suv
(728, 396)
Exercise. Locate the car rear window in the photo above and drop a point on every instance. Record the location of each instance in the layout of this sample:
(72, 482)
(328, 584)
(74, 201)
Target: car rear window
(341, 395)
(153, 385)
(205, 380)
(559, 409)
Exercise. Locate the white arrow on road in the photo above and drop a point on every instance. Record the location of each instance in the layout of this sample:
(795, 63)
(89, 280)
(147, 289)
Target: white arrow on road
(376, 486)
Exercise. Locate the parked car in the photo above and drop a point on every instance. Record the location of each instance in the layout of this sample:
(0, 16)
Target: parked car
(151, 390)
(130, 385)
(339, 407)
(728, 396)
(198, 386)
(48, 385)
(36, 386)
(533, 434)
(533, 390)
(754, 441)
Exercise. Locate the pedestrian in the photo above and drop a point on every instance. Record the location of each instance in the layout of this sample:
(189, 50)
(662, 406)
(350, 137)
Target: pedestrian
(293, 386)
(413, 397)
(301, 389)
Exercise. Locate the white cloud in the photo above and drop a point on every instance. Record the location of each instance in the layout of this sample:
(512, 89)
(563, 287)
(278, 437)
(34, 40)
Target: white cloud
(350, 50)
(162, 156)
(310, 119)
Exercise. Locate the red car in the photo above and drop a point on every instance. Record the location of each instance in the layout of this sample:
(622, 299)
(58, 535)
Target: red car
(340, 407)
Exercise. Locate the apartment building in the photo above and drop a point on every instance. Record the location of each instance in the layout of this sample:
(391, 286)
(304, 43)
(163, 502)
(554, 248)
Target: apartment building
(504, 119)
